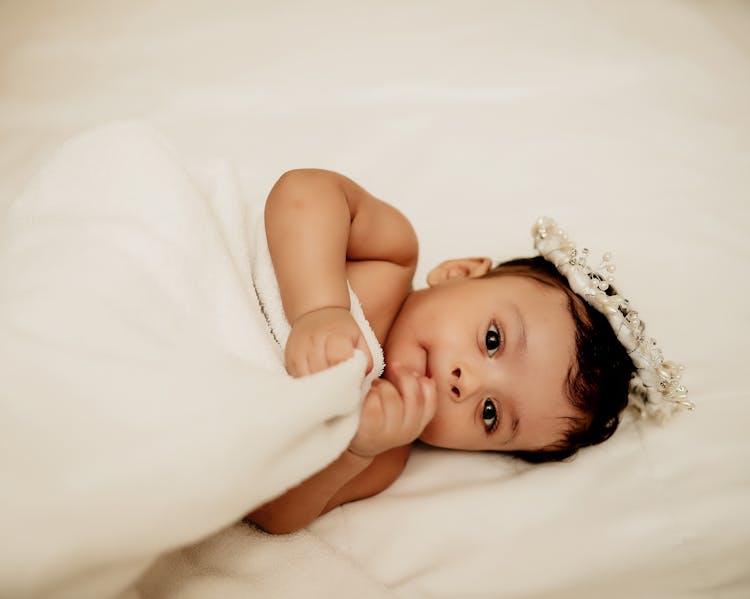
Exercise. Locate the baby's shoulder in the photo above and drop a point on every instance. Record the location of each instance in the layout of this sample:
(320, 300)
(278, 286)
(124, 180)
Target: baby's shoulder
(381, 288)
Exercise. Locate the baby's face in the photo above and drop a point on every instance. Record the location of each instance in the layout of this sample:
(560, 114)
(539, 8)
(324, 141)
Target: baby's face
(499, 350)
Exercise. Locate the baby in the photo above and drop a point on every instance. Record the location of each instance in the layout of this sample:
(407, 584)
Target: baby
(521, 358)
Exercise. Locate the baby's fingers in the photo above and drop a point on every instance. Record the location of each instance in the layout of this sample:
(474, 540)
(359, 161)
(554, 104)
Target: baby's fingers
(373, 412)
(429, 406)
(316, 358)
(420, 400)
(296, 362)
(337, 349)
(297, 369)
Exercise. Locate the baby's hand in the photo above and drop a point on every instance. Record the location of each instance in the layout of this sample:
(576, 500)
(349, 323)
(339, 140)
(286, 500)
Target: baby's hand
(322, 338)
(392, 415)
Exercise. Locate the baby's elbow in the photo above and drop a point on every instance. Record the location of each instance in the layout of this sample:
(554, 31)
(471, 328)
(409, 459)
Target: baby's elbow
(304, 188)
(274, 523)
(304, 177)
(273, 528)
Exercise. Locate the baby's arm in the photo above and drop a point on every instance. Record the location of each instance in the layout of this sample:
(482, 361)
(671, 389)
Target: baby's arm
(321, 229)
(320, 226)
(392, 417)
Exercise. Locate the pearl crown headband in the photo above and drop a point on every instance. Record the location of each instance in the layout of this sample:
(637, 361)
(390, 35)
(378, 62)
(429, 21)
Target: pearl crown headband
(655, 389)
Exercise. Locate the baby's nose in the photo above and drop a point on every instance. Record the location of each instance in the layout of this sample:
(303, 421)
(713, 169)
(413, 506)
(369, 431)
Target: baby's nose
(465, 383)
(458, 385)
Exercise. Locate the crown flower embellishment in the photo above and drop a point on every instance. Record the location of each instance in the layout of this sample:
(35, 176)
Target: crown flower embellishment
(656, 389)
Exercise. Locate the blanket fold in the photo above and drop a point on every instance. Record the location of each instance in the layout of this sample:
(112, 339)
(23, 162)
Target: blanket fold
(144, 402)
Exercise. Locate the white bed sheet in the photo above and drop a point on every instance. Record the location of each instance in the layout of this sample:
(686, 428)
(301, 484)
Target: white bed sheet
(628, 122)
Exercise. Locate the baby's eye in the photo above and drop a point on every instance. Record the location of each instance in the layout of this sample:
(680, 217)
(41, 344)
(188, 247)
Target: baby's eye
(489, 415)
(493, 340)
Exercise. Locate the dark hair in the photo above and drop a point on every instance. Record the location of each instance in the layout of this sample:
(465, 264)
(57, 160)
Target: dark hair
(598, 381)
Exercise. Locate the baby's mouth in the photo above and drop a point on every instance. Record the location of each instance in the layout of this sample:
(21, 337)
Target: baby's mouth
(427, 372)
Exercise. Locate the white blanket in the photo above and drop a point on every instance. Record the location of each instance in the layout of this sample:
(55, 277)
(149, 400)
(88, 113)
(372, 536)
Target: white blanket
(145, 404)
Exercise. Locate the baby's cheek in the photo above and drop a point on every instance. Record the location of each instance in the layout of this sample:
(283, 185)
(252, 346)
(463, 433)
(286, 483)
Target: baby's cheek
(435, 431)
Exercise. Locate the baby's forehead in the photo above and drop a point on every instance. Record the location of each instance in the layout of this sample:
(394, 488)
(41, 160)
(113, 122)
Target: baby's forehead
(526, 287)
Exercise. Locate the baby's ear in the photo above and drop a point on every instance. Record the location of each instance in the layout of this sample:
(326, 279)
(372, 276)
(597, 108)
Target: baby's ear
(460, 268)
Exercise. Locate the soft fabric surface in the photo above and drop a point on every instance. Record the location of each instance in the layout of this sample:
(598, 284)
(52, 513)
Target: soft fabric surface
(137, 365)
(627, 122)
